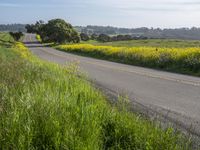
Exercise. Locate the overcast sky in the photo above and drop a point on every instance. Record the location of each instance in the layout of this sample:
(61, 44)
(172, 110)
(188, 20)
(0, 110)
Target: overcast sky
(120, 13)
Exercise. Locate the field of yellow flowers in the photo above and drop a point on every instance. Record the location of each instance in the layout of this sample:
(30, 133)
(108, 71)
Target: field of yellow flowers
(184, 60)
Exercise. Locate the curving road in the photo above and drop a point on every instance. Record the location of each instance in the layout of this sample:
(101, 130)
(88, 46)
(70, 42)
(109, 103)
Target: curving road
(173, 96)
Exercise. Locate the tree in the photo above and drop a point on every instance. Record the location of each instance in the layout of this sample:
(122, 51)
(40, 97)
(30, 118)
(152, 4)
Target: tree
(38, 26)
(127, 37)
(59, 31)
(104, 38)
(30, 28)
(121, 38)
(94, 36)
(56, 30)
(16, 35)
(84, 37)
(35, 28)
(75, 37)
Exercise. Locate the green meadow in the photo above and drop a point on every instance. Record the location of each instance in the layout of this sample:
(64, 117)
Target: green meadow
(160, 43)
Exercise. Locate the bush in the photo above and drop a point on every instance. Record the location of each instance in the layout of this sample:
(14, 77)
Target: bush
(16, 35)
(38, 38)
(84, 37)
(94, 36)
(122, 38)
(103, 38)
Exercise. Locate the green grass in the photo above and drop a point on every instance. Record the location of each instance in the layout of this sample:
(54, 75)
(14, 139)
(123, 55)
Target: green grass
(173, 43)
(6, 39)
(45, 106)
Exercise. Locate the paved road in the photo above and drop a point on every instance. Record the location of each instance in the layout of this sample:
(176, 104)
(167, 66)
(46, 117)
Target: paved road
(172, 95)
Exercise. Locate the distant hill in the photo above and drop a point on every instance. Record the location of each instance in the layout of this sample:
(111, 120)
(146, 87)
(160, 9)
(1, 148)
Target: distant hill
(179, 33)
(157, 33)
(13, 27)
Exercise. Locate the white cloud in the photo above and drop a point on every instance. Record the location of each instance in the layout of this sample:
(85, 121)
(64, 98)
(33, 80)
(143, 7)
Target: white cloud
(9, 5)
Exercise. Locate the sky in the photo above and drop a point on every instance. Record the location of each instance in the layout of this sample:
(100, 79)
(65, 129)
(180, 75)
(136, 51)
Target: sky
(119, 13)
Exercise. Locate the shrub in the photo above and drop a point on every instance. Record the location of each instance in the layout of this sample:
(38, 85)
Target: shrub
(104, 38)
(16, 35)
(84, 37)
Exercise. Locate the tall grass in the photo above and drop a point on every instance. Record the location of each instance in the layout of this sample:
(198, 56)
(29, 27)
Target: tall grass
(45, 106)
(185, 60)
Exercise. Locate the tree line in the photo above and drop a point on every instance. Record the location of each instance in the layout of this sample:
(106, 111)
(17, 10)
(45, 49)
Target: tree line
(108, 38)
(155, 33)
(13, 27)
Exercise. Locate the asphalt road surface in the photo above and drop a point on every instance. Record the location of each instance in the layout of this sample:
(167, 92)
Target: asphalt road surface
(174, 96)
